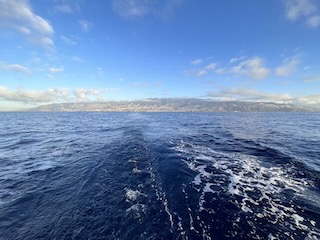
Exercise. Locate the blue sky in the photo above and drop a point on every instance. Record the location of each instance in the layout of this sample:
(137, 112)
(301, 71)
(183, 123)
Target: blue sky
(56, 51)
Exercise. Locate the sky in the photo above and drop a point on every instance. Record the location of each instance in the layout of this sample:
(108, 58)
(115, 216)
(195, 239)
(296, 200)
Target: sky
(55, 51)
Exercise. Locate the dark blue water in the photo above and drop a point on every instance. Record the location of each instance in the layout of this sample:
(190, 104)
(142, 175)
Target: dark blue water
(159, 176)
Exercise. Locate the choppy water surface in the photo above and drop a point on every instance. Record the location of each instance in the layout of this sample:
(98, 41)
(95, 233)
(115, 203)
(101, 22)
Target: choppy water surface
(159, 176)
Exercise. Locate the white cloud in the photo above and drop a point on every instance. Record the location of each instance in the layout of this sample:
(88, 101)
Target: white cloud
(221, 71)
(303, 9)
(253, 67)
(18, 15)
(56, 70)
(33, 96)
(201, 73)
(307, 68)
(233, 60)
(236, 59)
(67, 40)
(299, 8)
(196, 62)
(311, 99)
(257, 96)
(251, 95)
(314, 21)
(132, 8)
(52, 95)
(289, 66)
(14, 68)
(202, 70)
(63, 8)
(311, 79)
(129, 9)
(211, 66)
(68, 6)
(85, 94)
(85, 25)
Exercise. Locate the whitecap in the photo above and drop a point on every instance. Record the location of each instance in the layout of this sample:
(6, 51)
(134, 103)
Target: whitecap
(133, 195)
(257, 186)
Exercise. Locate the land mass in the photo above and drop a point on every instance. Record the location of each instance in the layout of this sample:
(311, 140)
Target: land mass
(171, 105)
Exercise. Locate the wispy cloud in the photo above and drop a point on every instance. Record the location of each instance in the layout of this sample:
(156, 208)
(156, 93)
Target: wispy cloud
(307, 68)
(129, 9)
(311, 79)
(18, 15)
(252, 95)
(52, 95)
(289, 66)
(56, 70)
(132, 8)
(303, 9)
(199, 72)
(211, 66)
(221, 71)
(14, 68)
(67, 40)
(86, 94)
(85, 25)
(299, 8)
(82, 94)
(314, 21)
(253, 67)
(196, 62)
(34, 96)
(310, 99)
(203, 70)
(63, 8)
(236, 59)
(68, 6)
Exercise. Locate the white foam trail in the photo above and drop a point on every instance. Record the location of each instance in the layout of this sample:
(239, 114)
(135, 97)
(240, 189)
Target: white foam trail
(166, 208)
(192, 228)
(136, 170)
(137, 208)
(133, 195)
(161, 196)
(258, 185)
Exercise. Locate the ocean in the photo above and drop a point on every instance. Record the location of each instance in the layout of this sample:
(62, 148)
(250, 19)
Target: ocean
(159, 176)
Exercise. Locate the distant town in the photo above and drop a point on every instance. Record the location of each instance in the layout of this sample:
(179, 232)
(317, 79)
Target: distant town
(172, 105)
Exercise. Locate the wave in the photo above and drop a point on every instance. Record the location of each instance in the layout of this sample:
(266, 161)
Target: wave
(261, 189)
(159, 176)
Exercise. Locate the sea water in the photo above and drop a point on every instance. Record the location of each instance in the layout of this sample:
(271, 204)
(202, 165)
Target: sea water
(159, 176)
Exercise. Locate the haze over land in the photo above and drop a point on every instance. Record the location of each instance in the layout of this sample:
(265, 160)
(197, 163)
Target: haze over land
(172, 105)
(90, 52)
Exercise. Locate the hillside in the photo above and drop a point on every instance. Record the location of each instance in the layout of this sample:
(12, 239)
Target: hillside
(171, 105)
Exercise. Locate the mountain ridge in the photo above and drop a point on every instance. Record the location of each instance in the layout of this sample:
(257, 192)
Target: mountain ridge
(171, 105)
